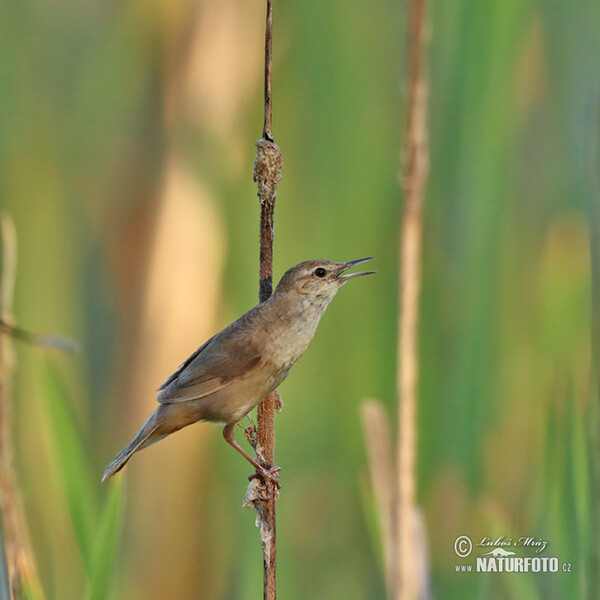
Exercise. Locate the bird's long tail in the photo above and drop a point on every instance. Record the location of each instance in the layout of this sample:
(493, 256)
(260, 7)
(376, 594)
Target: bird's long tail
(149, 434)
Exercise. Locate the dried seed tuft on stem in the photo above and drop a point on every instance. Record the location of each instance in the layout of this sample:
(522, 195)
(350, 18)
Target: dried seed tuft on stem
(267, 175)
(267, 169)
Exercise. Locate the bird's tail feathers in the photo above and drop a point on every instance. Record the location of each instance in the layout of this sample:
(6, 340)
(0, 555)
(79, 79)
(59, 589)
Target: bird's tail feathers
(144, 437)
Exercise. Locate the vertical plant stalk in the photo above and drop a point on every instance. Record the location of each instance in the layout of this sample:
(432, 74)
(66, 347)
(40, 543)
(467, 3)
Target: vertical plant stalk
(267, 135)
(19, 558)
(416, 166)
(267, 174)
(380, 455)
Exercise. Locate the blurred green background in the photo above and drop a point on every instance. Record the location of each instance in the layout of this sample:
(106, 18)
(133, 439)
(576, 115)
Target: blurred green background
(127, 136)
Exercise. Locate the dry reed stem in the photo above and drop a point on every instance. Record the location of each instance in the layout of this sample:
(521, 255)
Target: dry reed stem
(421, 556)
(267, 135)
(19, 557)
(413, 182)
(267, 174)
(381, 467)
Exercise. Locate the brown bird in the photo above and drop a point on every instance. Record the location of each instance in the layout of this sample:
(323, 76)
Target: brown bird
(239, 366)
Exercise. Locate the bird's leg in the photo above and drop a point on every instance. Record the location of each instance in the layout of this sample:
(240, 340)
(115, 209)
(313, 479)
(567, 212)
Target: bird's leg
(267, 474)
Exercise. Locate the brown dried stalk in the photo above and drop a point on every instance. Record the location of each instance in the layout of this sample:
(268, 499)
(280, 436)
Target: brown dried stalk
(267, 174)
(19, 558)
(267, 135)
(413, 182)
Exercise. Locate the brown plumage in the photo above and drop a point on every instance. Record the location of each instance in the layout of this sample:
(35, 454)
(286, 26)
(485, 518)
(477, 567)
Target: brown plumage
(235, 369)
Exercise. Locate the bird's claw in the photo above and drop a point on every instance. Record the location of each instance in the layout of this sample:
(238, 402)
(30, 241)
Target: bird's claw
(271, 475)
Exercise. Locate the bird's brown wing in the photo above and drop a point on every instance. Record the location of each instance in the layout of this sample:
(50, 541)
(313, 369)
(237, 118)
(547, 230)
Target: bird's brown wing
(183, 365)
(216, 364)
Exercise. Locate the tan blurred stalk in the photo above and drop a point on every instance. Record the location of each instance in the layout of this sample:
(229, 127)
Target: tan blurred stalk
(381, 467)
(380, 452)
(416, 162)
(208, 77)
(19, 557)
(178, 313)
(406, 579)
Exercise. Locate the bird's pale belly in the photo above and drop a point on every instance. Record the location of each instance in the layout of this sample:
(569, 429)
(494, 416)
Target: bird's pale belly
(235, 401)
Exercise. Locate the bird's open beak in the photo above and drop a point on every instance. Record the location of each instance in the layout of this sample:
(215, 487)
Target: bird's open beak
(351, 263)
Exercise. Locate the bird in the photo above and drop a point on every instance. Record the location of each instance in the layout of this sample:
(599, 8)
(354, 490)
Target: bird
(226, 377)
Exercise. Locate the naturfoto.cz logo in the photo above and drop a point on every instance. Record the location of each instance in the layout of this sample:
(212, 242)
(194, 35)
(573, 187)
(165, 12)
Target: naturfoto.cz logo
(501, 559)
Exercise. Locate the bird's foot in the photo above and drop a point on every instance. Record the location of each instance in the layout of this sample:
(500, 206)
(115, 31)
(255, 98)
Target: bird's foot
(268, 475)
(262, 488)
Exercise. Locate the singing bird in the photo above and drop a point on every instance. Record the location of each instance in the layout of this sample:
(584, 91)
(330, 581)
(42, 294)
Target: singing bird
(234, 370)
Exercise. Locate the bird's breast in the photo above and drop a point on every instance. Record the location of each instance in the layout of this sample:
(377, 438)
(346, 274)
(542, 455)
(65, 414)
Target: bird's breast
(289, 343)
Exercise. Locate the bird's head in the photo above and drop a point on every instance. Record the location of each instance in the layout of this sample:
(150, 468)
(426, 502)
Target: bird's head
(317, 281)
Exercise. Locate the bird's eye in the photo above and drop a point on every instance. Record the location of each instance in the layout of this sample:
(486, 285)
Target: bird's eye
(320, 272)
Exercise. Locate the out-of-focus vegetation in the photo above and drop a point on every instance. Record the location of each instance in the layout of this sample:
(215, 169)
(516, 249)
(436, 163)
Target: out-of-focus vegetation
(126, 150)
